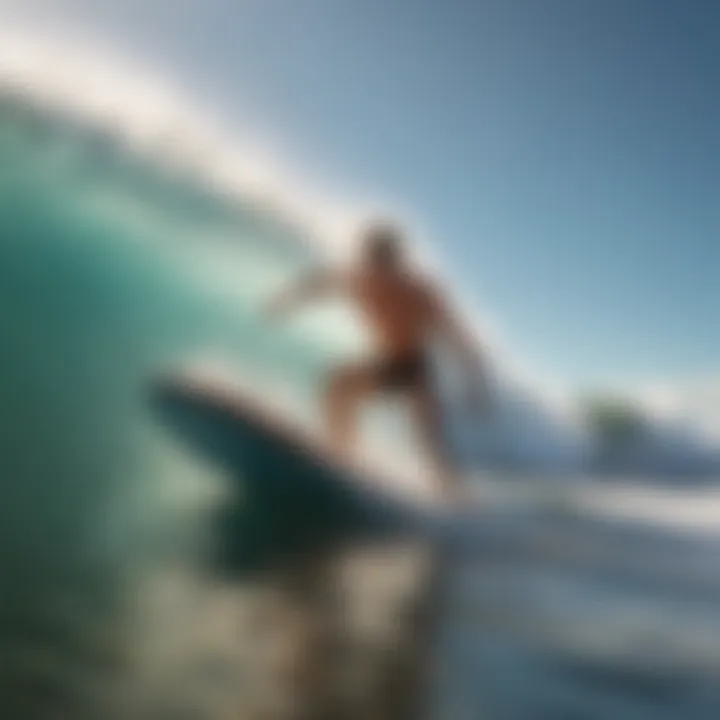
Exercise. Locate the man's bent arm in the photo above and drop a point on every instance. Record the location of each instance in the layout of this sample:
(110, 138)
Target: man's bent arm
(467, 348)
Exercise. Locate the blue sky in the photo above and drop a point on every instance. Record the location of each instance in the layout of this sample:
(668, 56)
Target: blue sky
(563, 154)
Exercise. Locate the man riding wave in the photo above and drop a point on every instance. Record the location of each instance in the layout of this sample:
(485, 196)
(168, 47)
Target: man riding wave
(406, 314)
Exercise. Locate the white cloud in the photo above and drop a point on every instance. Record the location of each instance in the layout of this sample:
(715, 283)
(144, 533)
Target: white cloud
(693, 403)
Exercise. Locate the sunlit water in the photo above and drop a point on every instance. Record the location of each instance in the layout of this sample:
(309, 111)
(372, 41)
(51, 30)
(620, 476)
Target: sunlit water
(113, 268)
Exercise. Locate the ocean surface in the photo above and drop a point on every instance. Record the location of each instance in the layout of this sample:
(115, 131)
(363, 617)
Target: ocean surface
(117, 264)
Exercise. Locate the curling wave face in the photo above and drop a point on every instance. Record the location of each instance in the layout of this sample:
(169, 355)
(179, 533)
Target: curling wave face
(118, 260)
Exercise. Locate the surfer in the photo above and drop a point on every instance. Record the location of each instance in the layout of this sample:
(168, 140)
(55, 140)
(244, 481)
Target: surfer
(405, 314)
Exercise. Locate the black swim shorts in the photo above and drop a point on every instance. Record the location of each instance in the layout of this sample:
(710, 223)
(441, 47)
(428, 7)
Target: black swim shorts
(402, 373)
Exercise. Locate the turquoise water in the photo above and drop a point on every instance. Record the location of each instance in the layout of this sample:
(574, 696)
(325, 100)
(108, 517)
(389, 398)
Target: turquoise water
(108, 274)
(115, 266)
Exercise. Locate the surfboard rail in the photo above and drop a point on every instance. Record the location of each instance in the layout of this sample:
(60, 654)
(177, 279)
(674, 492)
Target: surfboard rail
(292, 498)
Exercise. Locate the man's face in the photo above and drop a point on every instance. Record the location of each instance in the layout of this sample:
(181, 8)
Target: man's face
(382, 250)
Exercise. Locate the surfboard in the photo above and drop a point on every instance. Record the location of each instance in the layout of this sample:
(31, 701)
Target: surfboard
(292, 498)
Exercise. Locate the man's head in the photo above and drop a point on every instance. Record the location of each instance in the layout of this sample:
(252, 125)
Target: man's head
(382, 246)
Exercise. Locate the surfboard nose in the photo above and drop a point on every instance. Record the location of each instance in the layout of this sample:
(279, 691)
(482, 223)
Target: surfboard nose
(202, 425)
(290, 501)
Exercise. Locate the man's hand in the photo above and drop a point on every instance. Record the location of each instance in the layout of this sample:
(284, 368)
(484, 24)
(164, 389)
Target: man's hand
(275, 310)
(478, 398)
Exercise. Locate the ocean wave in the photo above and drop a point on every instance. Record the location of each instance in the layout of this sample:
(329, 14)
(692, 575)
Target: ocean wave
(149, 116)
(127, 247)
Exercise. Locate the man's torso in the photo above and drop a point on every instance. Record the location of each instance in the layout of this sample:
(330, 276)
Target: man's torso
(398, 309)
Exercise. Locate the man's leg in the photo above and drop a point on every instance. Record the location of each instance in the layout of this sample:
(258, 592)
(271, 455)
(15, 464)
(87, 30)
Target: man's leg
(348, 386)
(427, 413)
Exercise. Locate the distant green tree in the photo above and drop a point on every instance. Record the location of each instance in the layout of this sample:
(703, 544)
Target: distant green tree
(618, 424)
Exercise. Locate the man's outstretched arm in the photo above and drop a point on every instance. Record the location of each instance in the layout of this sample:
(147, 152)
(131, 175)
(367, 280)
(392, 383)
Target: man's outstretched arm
(310, 287)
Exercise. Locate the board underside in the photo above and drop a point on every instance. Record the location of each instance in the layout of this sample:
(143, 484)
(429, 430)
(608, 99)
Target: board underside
(291, 501)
